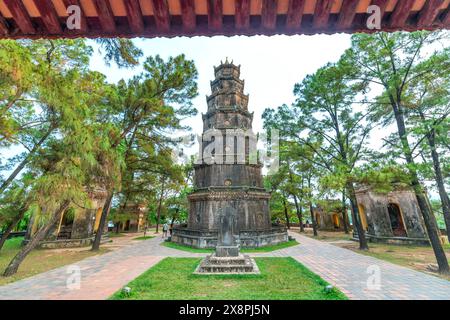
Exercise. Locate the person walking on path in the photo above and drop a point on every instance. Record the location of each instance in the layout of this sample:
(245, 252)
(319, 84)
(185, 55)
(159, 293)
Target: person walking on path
(165, 228)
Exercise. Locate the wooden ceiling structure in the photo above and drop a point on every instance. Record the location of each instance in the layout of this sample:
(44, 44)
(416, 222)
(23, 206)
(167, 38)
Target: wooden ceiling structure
(169, 18)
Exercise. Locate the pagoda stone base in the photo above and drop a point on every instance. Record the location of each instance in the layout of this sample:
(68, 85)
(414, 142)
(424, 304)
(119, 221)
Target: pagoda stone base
(242, 264)
(247, 239)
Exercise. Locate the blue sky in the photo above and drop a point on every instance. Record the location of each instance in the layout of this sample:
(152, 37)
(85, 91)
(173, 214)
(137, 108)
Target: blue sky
(270, 66)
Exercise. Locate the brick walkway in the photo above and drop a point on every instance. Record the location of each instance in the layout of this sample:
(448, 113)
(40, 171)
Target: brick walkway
(350, 272)
(100, 276)
(103, 275)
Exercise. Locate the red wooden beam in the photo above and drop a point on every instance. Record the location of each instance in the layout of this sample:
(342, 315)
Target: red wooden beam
(20, 15)
(322, 13)
(382, 4)
(295, 14)
(188, 15)
(446, 18)
(4, 28)
(49, 16)
(401, 13)
(347, 14)
(83, 22)
(429, 13)
(269, 14)
(134, 15)
(215, 14)
(242, 14)
(161, 14)
(105, 15)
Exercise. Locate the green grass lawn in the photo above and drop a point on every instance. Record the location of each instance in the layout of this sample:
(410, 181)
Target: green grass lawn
(281, 278)
(283, 245)
(144, 238)
(39, 260)
(177, 246)
(278, 246)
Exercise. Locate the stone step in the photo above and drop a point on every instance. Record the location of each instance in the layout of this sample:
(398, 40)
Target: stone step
(221, 261)
(227, 265)
(225, 269)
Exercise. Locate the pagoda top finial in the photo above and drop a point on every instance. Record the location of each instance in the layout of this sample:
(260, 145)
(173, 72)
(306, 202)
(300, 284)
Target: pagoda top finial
(227, 65)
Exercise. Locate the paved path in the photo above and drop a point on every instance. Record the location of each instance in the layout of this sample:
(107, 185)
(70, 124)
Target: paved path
(103, 275)
(100, 275)
(351, 271)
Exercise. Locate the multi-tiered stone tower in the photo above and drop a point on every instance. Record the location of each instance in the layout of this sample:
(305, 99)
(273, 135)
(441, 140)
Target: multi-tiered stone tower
(227, 174)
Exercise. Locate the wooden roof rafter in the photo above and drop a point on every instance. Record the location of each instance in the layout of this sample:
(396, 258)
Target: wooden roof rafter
(105, 15)
(170, 18)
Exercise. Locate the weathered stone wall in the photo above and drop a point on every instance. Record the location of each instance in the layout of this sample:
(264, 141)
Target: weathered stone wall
(83, 224)
(412, 216)
(252, 209)
(235, 175)
(80, 231)
(375, 208)
(224, 119)
(325, 220)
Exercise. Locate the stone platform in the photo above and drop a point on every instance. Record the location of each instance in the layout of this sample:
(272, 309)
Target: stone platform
(207, 239)
(214, 265)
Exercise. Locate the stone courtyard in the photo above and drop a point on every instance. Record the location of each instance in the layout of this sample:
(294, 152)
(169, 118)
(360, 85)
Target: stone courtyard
(350, 272)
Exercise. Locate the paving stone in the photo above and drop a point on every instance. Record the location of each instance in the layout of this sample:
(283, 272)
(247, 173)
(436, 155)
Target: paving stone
(103, 275)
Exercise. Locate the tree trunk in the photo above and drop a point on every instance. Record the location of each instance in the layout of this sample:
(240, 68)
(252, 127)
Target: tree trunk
(101, 226)
(355, 216)
(344, 213)
(313, 219)
(12, 225)
(158, 212)
(428, 216)
(440, 181)
(288, 224)
(25, 161)
(299, 213)
(34, 241)
(172, 222)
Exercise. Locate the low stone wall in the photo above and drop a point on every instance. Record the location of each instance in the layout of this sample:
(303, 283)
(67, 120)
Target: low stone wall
(395, 240)
(66, 243)
(248, 239)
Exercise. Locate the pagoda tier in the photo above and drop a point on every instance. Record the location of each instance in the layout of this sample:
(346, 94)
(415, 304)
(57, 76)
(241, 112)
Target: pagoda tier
(227, 173)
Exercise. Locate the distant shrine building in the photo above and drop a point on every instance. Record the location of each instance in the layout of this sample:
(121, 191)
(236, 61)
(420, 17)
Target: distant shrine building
(79, 224)
(328, 216)
(394, 217)
(228, 173)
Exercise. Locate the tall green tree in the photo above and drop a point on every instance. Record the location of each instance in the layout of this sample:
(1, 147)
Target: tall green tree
(390, 61)
(146, 108)
(427, 105)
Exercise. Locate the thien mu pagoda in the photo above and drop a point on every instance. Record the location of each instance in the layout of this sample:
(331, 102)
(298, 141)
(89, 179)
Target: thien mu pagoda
(227, 177)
